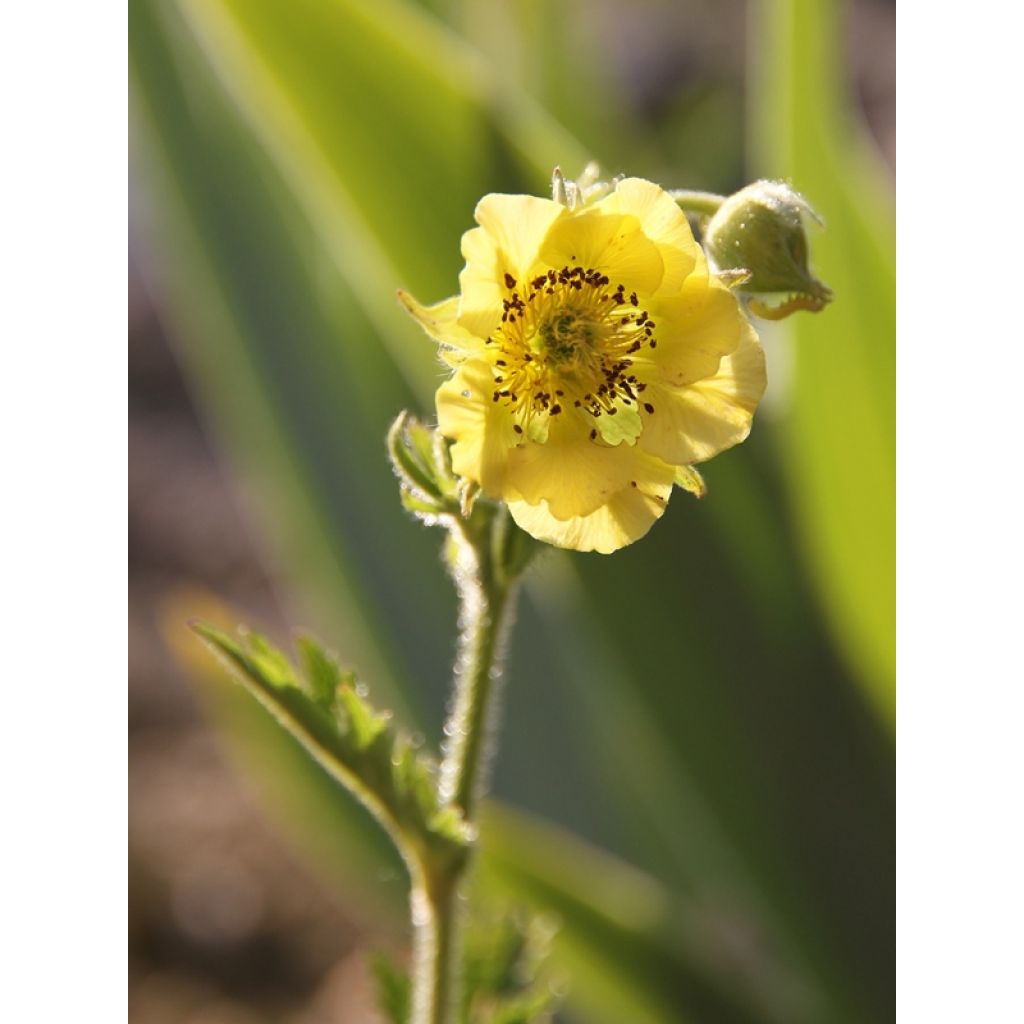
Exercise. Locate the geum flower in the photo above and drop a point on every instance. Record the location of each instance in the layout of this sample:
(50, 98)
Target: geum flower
(596, 361)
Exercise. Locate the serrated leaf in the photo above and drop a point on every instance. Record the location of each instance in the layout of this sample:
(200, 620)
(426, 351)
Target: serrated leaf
(322, 673)
(504, 968)
(357, 744)
(272, 663)
(365, 724)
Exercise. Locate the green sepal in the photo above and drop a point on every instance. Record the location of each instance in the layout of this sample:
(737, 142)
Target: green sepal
(356, 744)
(419, 455)
(512, 548)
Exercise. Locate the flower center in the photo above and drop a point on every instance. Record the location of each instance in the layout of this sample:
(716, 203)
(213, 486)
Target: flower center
(569, 338)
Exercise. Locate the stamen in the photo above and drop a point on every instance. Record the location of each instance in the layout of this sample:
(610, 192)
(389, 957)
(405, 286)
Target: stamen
(566, 335)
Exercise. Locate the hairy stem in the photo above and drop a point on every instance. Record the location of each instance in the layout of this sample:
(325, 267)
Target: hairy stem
(434, 921)
(486, 600)
(469, 728)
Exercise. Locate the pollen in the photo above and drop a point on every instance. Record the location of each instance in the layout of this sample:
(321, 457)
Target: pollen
(567, 333)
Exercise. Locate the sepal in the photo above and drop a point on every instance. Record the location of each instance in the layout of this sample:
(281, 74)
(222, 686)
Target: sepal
(419, 456)
(690, 480)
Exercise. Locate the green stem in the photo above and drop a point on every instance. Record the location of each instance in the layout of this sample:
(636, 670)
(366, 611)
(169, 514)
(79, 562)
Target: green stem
(434, 920)
(469, 728)
(704, 204)
(486, 600)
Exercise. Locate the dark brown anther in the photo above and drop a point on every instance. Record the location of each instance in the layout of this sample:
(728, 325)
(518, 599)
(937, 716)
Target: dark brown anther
(593, 435)
(648, 407)
(510, 281)
(518, 429)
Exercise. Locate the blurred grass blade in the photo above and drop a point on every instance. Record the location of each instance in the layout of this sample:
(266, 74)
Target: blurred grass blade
(840, 432)
(634, 951)
(260, 317)
(300, 74)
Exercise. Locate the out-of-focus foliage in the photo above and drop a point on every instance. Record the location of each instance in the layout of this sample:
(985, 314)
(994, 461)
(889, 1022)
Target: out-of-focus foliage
(695, 705)
(839, 434)
(504, 979)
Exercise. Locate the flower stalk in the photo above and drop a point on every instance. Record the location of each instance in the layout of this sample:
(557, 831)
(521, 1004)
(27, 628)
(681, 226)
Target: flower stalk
(485, 579)
(701, 204)
(435, 960)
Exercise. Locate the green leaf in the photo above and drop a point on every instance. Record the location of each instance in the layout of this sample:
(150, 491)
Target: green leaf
(322, 673)
(506, 973)
(355, 744)
(393, 989)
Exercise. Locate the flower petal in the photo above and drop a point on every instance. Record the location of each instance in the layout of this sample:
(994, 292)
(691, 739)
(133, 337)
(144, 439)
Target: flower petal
(664, 223)
(440, 321)
(695, 329)
(613, 243)
(517, 225)
(480, 428)
(624, 518)
(512, 230)
(573, 474)
(693, 423)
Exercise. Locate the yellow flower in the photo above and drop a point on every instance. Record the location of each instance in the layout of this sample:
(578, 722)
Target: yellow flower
(596, 360)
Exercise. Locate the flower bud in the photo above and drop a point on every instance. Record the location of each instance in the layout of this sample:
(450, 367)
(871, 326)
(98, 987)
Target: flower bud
(759, 232)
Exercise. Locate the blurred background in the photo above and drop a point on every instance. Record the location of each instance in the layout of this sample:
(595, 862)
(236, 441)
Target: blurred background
(695, 776)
